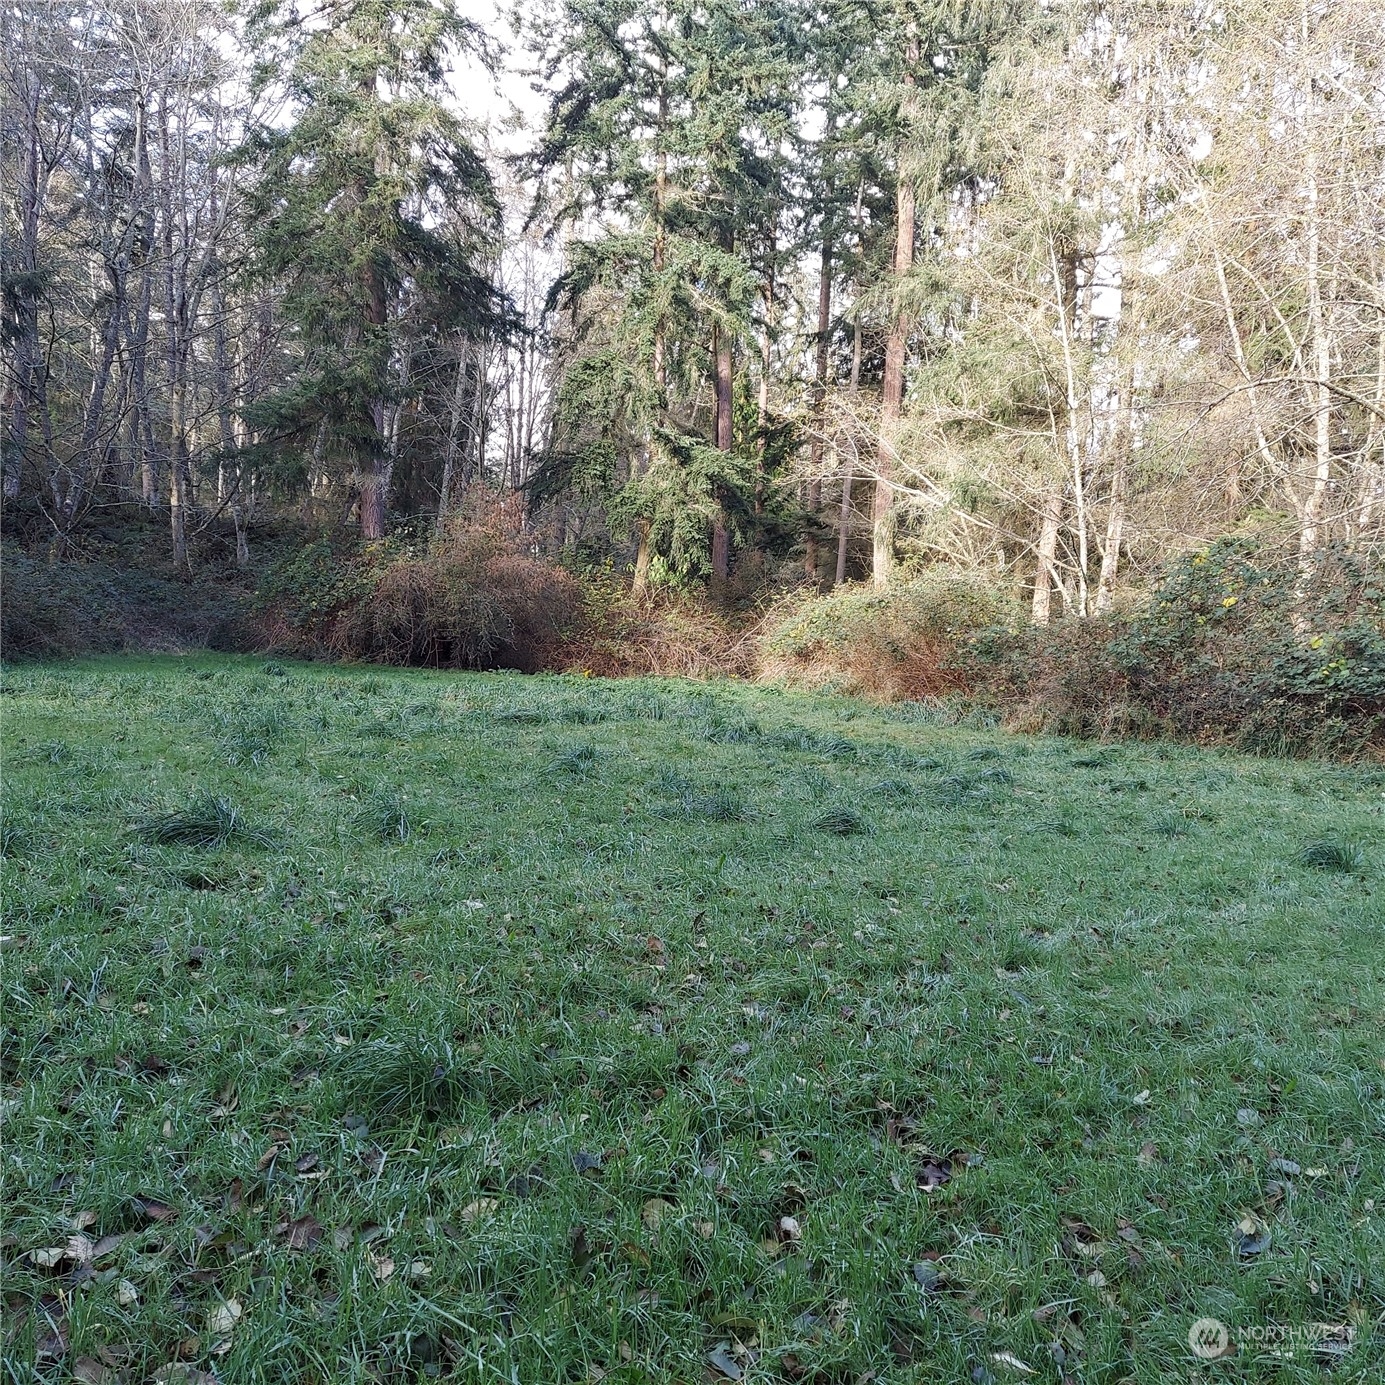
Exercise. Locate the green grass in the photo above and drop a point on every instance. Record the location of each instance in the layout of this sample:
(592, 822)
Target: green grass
(543, 1030)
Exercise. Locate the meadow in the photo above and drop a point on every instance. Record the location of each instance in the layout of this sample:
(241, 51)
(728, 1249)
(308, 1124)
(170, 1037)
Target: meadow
(370, 1025)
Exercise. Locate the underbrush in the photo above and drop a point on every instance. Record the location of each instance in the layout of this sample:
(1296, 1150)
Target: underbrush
(1234, 647)
(58, 610)
(468, 597)
(899, 645)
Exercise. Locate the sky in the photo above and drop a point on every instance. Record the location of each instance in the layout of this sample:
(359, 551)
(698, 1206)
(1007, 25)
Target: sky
(491, 101)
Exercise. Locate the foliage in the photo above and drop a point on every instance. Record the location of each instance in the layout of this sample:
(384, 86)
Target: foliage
(467, 597)
(1237, 643)
(899, 644)
(208, 820)
(55, 610)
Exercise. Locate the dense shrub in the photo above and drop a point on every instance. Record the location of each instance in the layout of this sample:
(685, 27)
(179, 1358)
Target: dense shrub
(670, 633)
(466, 598)
(891, 645)
(1235, 645)
(56, 610)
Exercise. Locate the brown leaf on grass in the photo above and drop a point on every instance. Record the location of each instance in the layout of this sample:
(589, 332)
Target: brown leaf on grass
(51, 1341)
(106, 1244)
(305, 1163)
(154, 1210)
(303, 1233)
(222, 1319)
(267, 1158)
(933, 1172)
(1149, 1154)
(83, 1221)
(87, 1370)
(180, 1373)
(1252, 1236)
(382, 1267)
(481, 1208)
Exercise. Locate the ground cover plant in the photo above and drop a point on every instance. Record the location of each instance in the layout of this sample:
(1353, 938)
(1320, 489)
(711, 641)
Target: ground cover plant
(380, 1025)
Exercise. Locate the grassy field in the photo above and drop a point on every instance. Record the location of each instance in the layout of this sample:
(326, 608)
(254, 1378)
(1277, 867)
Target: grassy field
(366, 1025)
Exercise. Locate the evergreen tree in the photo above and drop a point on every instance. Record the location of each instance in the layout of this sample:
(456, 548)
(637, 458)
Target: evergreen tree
(662, 148)
(371, 211)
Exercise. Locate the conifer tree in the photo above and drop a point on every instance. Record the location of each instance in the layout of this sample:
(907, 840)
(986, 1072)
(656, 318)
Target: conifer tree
(371, 212)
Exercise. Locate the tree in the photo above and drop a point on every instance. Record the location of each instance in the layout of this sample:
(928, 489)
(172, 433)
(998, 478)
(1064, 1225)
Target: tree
(370, 211)
(660, 149)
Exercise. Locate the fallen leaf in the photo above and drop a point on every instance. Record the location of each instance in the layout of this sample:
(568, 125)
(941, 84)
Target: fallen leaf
(83, 1220)
(789, 1229)
(927, 1275)
(382, 1267)
(1149, 1154)
(1012, 1362)
(267, 1158)
(356, 1126)
(49, 1257)
(126, 1295)
(222, 1320)
(653, 1211)
(89, 1371)
(482, 1207)
(583, 1162)
(722, 1360)
(180, 1373)
(304, 1233)
(933, 1173)
(1253, 1236)
(1285, 1166)
(305, 1163)
(1247, 1115)
(155, 1210)
(1141, 1098)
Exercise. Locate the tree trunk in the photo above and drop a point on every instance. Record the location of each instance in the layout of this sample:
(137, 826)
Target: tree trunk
(1115, 505)
(1044, 575)
(810, 547)
(1320, 392)
(892, 401)
(721, 537)
(177, 475)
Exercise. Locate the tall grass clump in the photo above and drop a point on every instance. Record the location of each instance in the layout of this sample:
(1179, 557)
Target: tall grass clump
(208, 820)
